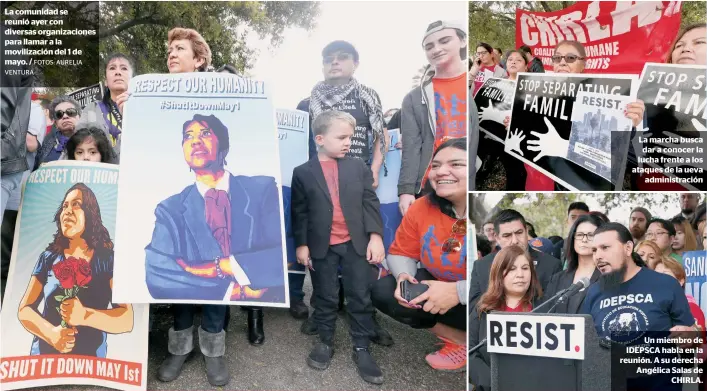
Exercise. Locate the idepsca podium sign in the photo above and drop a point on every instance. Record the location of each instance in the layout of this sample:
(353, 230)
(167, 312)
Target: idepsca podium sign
(542, 336)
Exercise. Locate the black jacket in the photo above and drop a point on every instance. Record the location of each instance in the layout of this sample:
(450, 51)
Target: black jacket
(312, 208)
(536, 66)
(480, 361)
(545, 267)
(561, 281)
(16, 95)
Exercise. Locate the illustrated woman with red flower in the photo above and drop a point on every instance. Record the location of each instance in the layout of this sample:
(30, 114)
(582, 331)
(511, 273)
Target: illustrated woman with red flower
(73, 278)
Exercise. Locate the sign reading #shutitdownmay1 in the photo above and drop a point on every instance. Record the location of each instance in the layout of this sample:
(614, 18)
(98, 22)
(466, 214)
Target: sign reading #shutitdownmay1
(671, 149)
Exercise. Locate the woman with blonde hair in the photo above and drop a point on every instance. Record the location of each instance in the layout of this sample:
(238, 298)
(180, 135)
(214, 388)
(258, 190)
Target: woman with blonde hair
(650, 253)
(513, 287)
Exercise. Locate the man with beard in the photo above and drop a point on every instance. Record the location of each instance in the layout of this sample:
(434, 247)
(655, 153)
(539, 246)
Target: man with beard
(638, 224)
(510, 227)
(688, 204)
(630, 300)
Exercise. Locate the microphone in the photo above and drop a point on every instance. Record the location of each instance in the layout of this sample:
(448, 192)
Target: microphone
(560, 296)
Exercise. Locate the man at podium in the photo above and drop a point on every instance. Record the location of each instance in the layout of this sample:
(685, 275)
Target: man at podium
(631, 300)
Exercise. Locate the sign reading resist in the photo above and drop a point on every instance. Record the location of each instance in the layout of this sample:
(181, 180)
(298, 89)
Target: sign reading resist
(542, 336)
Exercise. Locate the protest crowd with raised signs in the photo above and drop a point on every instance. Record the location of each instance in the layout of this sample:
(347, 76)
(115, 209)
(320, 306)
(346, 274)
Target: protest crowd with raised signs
(111, 228)
(540, 130)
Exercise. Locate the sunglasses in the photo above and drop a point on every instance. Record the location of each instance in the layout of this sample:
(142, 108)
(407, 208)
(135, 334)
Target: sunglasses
(453, 244)
(570, 58)
(59, 114)
(340, 57)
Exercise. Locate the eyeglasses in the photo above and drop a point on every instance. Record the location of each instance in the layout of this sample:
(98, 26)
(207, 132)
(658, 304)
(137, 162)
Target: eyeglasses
(482, 53)
(453, 244)
(340, 57)
(59, 114)
(570, 58)
(652, 234)
(581, 235)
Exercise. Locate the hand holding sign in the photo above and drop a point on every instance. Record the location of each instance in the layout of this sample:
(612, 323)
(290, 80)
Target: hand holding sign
(548, 144)
(634, 111)
(514, 141)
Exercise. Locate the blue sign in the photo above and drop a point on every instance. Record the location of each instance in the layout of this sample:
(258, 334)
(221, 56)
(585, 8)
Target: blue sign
(695, 264)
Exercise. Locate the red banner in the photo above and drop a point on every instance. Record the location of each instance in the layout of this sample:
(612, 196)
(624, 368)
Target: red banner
(618, 36)
(14, 369)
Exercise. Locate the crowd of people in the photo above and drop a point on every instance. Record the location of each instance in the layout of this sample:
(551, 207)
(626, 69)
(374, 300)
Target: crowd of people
(493, 169)
(335, 232)
(515, 271)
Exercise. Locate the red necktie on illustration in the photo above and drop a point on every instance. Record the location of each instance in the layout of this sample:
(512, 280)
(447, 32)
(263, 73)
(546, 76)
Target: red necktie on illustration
(218, 217)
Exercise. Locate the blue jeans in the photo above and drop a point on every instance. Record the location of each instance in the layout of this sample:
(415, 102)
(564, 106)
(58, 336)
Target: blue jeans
(9, 184)
(213, 317)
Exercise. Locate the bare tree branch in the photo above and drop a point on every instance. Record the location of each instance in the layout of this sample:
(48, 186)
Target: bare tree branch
(546, 6)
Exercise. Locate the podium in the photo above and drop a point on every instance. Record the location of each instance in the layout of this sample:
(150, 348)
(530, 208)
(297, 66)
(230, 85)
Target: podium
(536, 368)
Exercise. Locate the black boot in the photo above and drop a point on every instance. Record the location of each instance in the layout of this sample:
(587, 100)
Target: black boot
(367, 367)
(298, 309)
(180, 344)
(213, 346)
(309, 327)
(256, 334)
(320, 356)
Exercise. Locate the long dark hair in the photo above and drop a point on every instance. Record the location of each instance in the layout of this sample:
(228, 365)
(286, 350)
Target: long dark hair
(570, 252)
(495, 296)
(99, 138)
(442, 203)
(95, 233)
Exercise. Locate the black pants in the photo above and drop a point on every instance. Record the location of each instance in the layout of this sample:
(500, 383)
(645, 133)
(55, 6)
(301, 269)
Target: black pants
(7, 236)
(356, 278)
(213, 317)
(383, 300)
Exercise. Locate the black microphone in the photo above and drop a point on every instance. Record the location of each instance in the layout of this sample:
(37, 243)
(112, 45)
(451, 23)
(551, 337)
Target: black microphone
(561, 295)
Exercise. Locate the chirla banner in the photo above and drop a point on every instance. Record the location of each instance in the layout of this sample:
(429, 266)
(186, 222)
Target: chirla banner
(582, 151)
(201, 222)
(695, 264)
(84, 96)
(671, 147)
(293, 132)
(60, 325)
(618, 36)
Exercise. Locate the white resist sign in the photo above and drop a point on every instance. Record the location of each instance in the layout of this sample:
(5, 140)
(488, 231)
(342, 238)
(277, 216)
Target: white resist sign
(541, 336)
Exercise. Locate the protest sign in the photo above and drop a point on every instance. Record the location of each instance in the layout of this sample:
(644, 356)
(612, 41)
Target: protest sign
(672, 147)
(84, 96)
(695, 264)
(595, 117)
(60, 325)
(541, 126)
(202, 223)
(387, 190)
(293, 132)
(618, 36)
(494, 101)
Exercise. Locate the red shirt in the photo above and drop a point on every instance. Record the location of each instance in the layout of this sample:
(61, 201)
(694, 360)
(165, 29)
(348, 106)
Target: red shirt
(537, 181)
(481, 78)
(518, 308)
(339, 230)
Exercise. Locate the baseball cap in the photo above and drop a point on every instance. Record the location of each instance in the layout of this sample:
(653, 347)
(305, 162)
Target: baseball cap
(442, 25)
(542, 245)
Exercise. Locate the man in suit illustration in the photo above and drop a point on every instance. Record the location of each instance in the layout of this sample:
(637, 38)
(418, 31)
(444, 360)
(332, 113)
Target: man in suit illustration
(218, 239)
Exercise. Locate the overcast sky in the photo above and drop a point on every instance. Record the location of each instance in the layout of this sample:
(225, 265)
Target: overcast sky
(387, 35)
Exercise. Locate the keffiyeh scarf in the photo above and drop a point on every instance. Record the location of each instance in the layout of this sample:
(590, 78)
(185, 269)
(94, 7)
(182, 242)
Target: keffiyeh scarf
(325, 96)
